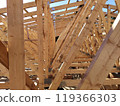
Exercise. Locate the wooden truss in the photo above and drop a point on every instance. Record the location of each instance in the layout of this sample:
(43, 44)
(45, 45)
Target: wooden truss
(75, 45)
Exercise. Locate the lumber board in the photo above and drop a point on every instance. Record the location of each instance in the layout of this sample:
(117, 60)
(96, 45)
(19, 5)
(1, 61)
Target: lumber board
(118, 4)
(40, 44)
(4, 85)
(51, 44)
(108, 81)
(3, 55)
(46, 38)
(82, 71)
(16, 44)
(67, 6)
(4, 71)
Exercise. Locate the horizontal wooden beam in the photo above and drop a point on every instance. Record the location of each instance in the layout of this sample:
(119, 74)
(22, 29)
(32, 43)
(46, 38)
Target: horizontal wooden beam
(82, 71)
(4, 85)
(74, 83)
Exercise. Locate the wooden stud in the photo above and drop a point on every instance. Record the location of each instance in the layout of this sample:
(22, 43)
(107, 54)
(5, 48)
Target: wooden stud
(40, 43)
(108, 18)
(46, 36)
(16, 44)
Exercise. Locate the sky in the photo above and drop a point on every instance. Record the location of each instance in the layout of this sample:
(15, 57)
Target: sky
(3, 2)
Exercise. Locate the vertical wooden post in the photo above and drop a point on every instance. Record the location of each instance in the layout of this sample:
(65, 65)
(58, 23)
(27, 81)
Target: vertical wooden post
(103, 19)
(108, 18)
(16, 44)
(46, 35)
(51, 46)
(40, 44)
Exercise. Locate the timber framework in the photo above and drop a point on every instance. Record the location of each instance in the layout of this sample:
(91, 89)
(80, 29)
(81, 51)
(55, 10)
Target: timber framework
(47, 44)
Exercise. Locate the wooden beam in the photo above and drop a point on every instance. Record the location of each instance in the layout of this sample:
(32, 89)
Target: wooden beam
(3, 55)
(16, 44)
(40, 44)
(118, 4)
(108, 81)
(103, 19)
(108, 18)
(51, 45)
(4, 71)
(4, 85)
(46, 38)
(30, 83)
(82, 71)
(104, 60)
(67, 6)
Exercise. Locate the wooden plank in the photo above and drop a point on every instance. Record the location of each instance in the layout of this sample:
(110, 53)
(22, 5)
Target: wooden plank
(30, 14)
(4, 71)
(3, 55)
(67, 6)
(108, 81)
(51, 45)
(30, 83)
(51, 1)
(82, 60)
(76, 71)
(108, 18)
(67, 11)
(93, 45)
(82, 71)
(16, 44)
(118, 4)
(104, 60)
(81, 37)
(79, 64)
(46, 38)
(4, 85)
(103, 19)
(111, 6)
(112, 81)
(31, 19)
(40, 44)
